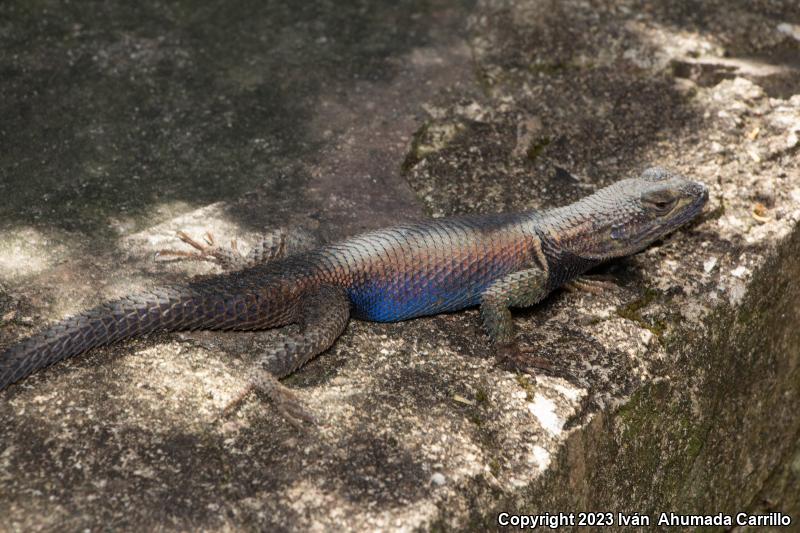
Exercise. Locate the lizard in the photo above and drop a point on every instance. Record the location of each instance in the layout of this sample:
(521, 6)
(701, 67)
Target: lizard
(494, 261)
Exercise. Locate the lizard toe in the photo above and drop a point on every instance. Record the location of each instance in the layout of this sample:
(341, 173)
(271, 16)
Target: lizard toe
(282, 397)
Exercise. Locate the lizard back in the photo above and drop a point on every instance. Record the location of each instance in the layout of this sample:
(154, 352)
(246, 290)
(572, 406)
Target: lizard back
(427, 268)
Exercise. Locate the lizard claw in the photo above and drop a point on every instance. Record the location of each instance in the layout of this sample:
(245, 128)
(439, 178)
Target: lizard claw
(234, 404)
(205, 252)
(521, 359)
(292, 409)
(285, 400)
(594, 284)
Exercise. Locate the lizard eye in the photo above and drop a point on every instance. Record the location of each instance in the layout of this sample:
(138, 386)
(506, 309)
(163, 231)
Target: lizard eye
(660, 202)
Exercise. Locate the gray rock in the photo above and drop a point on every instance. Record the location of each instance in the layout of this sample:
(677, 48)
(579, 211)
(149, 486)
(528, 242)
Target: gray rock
(126, 122)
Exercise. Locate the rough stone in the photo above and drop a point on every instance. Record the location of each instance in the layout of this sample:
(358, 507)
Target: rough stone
(126, 122)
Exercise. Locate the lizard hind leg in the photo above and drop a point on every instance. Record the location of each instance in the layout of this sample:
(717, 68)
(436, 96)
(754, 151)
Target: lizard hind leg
(322, 314)
(270, 246)
(227, 257)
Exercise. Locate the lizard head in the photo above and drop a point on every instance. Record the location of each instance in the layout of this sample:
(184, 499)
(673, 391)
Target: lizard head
(634, 213)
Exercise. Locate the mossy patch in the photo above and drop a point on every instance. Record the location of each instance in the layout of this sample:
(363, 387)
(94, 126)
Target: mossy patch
(430, 138)
(633, 312)
(524, 381)
(536, 147)
(482, 397)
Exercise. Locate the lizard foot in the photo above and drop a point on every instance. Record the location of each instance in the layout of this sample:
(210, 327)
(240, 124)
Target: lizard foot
(227, 257)
(521, 359)
(593, 284)
(284, 399)
(518, 358)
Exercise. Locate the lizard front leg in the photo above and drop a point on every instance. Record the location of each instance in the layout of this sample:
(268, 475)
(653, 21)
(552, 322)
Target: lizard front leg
(519, 289)
(276, 244)
(322, 314)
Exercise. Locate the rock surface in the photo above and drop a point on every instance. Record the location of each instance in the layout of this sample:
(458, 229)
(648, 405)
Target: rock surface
(121, 125)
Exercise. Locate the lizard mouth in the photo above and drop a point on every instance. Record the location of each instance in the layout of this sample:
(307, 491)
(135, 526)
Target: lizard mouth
(698, 197)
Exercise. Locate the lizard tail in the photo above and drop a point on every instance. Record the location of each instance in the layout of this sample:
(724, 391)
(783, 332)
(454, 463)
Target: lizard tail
(165, 309)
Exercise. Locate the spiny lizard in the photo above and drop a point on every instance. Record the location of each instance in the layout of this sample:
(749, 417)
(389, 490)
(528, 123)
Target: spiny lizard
(495, 261)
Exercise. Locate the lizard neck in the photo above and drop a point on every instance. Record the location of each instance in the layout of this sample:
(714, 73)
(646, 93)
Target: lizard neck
(562, 235)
